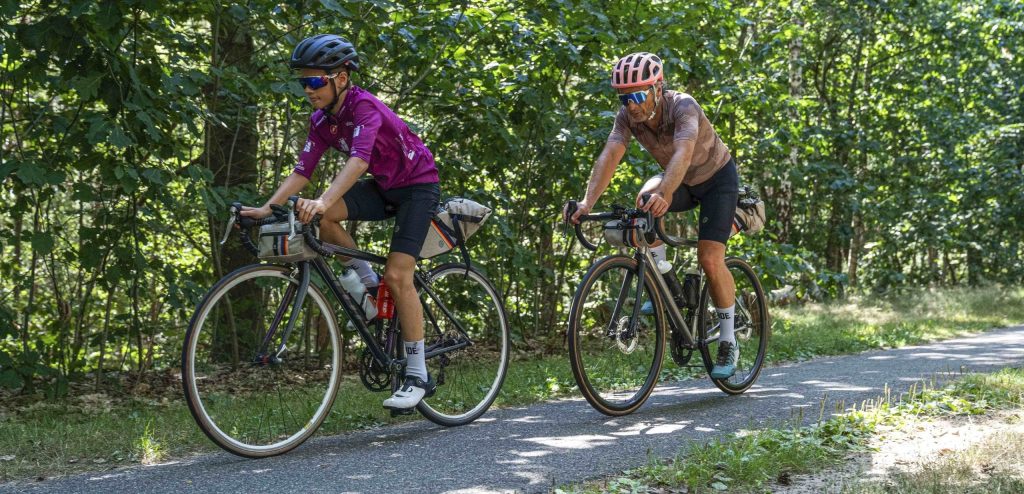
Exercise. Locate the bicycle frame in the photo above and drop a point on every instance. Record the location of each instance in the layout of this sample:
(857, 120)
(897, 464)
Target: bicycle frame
(352, 308)
(647, 265)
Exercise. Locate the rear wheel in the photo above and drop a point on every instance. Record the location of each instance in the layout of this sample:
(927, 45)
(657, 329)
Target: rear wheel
(471, 317)
(751, 326)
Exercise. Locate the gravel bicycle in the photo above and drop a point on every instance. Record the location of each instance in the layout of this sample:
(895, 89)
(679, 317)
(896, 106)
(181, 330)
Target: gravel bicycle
(262, 358)
(616, 349)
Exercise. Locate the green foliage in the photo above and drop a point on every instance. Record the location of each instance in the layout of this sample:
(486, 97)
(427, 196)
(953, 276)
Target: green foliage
(884, 137)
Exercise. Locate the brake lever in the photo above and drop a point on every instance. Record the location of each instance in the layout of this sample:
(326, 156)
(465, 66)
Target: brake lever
(232, 215)
(291, 219)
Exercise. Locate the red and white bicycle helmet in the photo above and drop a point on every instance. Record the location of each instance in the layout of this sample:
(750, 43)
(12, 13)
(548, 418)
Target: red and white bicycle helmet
(637, 69)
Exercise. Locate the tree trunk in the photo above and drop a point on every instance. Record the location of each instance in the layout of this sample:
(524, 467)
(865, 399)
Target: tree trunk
(230, 150)
(231, 137)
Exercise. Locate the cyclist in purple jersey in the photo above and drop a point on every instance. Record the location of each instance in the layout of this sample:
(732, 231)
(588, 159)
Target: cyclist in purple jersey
(404, 185)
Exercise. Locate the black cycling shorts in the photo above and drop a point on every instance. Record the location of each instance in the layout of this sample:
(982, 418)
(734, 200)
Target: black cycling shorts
(717, 198)
(412, 207)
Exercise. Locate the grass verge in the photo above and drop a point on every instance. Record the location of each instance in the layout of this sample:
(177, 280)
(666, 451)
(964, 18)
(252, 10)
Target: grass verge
(751, 460)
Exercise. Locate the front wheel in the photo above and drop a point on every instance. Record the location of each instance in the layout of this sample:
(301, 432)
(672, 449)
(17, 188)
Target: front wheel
(246, 398)
(467, 344)
(752, 328)
(615, 357)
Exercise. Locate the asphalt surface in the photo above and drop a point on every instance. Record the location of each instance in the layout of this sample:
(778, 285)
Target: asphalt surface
(541, 446)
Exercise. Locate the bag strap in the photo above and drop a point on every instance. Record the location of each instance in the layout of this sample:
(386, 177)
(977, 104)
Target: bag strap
(466, 217)
(462, 241)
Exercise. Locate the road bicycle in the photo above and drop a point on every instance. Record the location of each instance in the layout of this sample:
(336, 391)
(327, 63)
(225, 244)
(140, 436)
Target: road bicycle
(262, 359)
(616, 348)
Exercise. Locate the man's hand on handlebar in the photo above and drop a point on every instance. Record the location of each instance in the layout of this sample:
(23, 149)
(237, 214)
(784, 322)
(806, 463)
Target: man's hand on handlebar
(306, 209)
(582, 208)
(257, 213)
(656, 204)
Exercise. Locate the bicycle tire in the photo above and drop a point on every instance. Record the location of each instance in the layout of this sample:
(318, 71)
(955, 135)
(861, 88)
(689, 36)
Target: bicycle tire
(752, 328)
(243, 403)
(470, 378)
(603, 364)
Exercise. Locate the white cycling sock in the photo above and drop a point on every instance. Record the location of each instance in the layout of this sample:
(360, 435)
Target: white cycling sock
(365, 272)
(658, 253)
(726, 323)
(415, 361)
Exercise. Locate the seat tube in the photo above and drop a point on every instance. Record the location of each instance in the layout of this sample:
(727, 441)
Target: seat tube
(666, 298)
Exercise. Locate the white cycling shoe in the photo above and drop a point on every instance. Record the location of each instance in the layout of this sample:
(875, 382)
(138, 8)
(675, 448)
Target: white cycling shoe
(413, 390)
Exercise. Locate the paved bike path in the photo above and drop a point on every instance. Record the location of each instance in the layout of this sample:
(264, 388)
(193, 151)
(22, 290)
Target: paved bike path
(535, 448)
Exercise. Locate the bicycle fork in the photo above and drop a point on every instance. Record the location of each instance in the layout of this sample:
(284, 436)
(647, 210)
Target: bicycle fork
(298, 293)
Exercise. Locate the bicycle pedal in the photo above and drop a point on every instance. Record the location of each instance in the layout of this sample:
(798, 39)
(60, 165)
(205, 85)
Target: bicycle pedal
(395, 412)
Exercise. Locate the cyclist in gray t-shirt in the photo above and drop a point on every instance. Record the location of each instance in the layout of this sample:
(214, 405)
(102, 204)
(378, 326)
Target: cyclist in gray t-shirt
(698, 170)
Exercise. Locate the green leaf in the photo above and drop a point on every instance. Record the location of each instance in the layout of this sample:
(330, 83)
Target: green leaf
(8, 8)
(120, 139)
(718, 486)
(86, 87)
(153, 175)
(31, 174)
(42, 242)
(7, 168)
(10, 379)
(98, 131)
(238, 12)
(334, 6)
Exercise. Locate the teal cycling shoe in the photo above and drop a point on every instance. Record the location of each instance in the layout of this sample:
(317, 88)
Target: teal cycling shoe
(728, 356)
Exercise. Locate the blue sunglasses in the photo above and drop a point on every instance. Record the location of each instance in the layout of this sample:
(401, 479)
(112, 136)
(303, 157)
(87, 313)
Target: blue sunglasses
(315, 82)
(638, 97)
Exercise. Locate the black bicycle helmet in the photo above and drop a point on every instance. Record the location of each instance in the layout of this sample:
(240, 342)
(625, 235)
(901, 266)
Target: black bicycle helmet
(325, 52)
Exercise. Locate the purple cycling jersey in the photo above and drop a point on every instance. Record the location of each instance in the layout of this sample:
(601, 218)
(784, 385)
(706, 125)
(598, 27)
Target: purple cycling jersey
(366, 128)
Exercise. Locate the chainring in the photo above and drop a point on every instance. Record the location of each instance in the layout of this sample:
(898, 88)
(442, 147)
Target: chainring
(373, 376)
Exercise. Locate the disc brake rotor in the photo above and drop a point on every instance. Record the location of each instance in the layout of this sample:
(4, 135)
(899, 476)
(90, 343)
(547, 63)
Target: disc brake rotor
(624, 338)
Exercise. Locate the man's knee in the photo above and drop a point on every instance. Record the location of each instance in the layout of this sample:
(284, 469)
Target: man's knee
(711, 257)
(337, 213)
(399, 271)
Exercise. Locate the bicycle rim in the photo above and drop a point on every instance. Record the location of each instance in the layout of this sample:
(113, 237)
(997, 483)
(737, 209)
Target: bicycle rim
(616, 367)
(470, 377)
(752, 328)
(243, 402)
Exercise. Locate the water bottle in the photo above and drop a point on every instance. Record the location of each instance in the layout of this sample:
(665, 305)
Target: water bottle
(350, 281)
(665, 268)
(385, 304)
(691, 288)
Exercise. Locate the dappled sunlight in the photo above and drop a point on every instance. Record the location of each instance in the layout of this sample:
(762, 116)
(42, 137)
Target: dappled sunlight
(583, 441)
(477, 489)
(532, 478)
(527, 420)
(649, 428)
(836, 386)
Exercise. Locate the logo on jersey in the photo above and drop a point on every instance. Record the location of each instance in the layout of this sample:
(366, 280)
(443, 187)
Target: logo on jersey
(355, 133)
(334, 129)
(308, 147)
